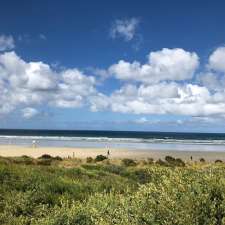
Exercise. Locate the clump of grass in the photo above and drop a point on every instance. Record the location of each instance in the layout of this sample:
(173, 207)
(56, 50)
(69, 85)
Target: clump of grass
(218, 161)
(26, 160)
(44, 162)
(150, 160)
(89, 160)
(171, 161)
(202, 160)
(179, 162)
(100, 158)
(45, 156)
(58, 158)
(161, 162)
(128, 162)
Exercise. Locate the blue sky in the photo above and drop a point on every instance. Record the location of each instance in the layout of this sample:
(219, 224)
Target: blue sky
(121, 65)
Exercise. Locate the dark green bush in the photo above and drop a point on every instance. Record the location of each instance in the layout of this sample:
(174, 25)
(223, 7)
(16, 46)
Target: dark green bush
(202, 160)
(161, 162)
(170, 159)
(89, 160)
(218, 161)
(100, 158)
(45, 156)
(58, 158)
(179, 162)
(129, 162)
(150, 160)
(174, 162)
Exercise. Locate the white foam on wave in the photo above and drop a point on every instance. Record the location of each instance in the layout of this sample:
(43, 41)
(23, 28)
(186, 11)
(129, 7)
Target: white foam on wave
(114, 140)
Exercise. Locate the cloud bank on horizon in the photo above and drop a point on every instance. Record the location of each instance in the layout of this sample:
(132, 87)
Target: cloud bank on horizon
(170, 82)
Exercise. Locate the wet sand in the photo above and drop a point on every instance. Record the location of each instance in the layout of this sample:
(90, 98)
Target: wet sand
(13, 150)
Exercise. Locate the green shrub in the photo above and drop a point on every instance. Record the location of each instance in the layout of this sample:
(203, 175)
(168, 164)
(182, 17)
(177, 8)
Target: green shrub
(111, 168)
(26, 157)
(45, 156)
(58, 158)
(170, 159)
(202, 160)
(100, 158)
(150, 160)
(218, 161)
(179, 162)
(174, 162)
(129, 162)
(89, 160)
(161, 162)
(26, 160)
(44, 162)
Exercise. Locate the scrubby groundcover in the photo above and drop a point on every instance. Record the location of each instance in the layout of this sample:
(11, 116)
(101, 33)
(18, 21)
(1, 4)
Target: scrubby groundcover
(105, 193)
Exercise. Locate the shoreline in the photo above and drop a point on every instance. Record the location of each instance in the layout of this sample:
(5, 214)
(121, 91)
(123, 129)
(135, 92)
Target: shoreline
(115, 153)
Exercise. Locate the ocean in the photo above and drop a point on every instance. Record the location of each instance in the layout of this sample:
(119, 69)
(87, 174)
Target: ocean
(132, 140)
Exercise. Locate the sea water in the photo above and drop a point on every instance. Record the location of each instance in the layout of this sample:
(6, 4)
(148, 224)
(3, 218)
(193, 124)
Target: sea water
(132, 140)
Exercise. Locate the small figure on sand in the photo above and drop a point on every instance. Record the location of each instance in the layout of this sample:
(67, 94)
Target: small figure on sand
(108, 153)
(34, 144)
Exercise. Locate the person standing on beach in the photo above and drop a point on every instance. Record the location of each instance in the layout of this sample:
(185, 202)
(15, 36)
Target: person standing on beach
(108, 153)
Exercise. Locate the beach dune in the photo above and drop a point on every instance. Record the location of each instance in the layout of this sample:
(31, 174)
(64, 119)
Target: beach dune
(14, 150)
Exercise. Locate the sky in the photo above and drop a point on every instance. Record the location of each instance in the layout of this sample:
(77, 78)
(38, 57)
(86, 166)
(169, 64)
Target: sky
(113, 65)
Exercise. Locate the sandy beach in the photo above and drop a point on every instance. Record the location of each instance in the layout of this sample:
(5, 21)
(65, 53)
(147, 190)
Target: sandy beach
(13, 150)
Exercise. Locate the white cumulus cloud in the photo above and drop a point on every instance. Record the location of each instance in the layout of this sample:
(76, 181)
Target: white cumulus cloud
(217, 60)
(166, 64)
(165, 98)
(36, 83)
(164, 85)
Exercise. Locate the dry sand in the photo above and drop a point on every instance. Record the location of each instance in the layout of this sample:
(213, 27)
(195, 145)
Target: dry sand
(12, 150)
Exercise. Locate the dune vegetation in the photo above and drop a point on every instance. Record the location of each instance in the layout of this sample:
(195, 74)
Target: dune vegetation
(51, 190)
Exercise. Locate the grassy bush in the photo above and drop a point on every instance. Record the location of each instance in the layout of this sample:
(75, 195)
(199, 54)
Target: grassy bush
(174, 161)
(170, 159)
(100, 158)
(45, 156)
(26, 160)
(89, 160)
(202, 160)
(44, 162)
(161, 162)
(179, 162)
(129, 162)
(218, 161)
(58, 158)
(150, 160)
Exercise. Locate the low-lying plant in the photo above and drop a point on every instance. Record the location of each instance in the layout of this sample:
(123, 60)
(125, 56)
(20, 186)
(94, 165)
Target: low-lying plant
(100, 158)
(128, 162)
